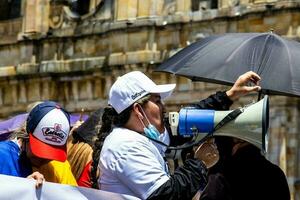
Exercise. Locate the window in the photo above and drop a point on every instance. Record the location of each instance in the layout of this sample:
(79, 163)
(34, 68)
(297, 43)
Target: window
(204, 4)
(10, 9)
(80, 7)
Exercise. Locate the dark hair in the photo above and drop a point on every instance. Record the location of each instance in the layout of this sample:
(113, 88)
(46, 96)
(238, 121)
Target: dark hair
(110, 119)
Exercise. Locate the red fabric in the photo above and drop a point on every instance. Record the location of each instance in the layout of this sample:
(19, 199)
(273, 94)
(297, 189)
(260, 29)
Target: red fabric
(47, 151)
(85, 179)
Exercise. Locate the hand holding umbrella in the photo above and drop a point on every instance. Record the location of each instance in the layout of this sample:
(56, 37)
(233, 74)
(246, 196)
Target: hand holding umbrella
(242, 87)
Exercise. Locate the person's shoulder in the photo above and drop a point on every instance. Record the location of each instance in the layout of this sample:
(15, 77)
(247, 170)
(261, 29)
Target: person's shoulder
(125, 136)
(123, 140)
(273, 170)
(9, 152)
(8, 145)
(276, 182)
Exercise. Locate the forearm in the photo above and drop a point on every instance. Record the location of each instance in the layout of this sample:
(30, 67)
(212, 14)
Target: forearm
(185, 182)
(218, 101)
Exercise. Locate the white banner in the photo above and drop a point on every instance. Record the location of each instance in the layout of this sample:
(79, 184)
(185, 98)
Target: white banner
(12, 188)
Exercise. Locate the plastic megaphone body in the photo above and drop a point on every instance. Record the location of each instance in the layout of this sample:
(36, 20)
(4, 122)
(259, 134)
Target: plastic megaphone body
(250, 125)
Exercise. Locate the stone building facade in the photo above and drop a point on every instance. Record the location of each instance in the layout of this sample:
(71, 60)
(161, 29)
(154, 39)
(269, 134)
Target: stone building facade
(71, 51)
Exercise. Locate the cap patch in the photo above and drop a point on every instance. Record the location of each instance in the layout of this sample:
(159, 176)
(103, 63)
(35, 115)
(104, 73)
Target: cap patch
(54, 134)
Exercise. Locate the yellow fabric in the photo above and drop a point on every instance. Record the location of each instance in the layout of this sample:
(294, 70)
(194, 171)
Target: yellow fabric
(57, 172)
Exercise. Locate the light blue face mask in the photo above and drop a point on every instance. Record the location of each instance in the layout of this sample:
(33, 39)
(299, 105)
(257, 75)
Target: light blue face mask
(150, 130)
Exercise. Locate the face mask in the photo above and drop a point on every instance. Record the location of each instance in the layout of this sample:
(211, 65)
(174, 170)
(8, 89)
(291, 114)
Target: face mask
(151, 132)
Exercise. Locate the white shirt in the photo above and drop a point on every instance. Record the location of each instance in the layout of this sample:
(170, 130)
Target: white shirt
(131, 164)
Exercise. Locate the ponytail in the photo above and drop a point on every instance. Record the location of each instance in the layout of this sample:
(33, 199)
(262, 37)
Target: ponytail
(106, 127)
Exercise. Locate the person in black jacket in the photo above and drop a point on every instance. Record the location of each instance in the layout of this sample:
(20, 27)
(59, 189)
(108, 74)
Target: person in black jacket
(244, 173)
(130, 162)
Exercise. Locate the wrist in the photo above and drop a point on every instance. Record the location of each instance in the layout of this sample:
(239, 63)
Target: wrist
(231, 95)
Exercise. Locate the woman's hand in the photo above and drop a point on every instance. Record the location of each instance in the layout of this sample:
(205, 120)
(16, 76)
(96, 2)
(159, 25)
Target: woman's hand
(38, 177)
(242, 85)
(208, 153)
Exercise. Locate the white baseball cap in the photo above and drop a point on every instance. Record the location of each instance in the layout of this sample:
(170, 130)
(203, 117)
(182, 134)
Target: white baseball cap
(48, 126)
(131, 87)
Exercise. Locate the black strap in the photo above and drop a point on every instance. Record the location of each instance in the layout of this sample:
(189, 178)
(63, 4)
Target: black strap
(189, 144)
(231, 116)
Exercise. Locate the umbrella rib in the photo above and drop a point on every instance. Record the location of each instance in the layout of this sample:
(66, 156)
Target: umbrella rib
(263, 56)
(289, 55)
(286, 47)
(240, 46)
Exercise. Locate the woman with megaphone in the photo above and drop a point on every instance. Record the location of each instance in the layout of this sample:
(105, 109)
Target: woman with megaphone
(131, 161)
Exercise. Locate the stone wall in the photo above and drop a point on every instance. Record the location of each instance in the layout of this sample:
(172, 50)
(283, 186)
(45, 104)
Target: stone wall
(54, 53)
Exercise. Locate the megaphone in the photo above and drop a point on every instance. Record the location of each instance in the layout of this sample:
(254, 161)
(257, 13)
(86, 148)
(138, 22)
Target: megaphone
(250, 125)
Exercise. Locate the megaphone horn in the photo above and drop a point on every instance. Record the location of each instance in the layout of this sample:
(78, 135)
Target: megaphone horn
(251, 125)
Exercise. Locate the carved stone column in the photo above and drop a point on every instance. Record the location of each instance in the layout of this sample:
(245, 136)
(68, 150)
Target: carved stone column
(14, 92)
(33, 90)
(126, 9)
(45, 89)
(75, 90)
(22, 92)
(36, 18)
(148, 8)
(183, 5)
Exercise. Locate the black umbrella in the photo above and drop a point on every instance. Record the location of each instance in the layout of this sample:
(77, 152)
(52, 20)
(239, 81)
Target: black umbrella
(223, 58)
(86, 132)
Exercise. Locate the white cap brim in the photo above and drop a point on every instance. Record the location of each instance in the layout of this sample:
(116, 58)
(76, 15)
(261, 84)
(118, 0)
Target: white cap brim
(164, 90)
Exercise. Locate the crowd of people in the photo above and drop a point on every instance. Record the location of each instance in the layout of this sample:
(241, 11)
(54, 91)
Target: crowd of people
(122, 148)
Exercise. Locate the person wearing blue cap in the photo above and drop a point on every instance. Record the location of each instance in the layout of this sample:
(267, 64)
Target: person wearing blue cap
(43, 148)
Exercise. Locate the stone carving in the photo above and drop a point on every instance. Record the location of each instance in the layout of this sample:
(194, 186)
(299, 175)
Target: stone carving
(56, 16)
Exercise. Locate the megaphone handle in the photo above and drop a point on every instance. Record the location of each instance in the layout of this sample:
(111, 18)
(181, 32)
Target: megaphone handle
(259, 95)
(81, 115)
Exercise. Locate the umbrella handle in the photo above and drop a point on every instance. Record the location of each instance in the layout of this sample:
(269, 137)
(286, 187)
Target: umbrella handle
(81, 114)
(259, 95)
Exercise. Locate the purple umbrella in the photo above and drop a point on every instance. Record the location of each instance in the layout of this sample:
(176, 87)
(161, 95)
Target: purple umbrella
(10, 125)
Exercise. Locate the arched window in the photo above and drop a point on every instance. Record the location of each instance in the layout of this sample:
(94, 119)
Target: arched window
(10, 9)
(80, 7)
(204, 4)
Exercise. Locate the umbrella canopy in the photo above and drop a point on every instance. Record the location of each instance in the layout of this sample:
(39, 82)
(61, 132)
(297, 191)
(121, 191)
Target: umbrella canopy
(223, 58)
